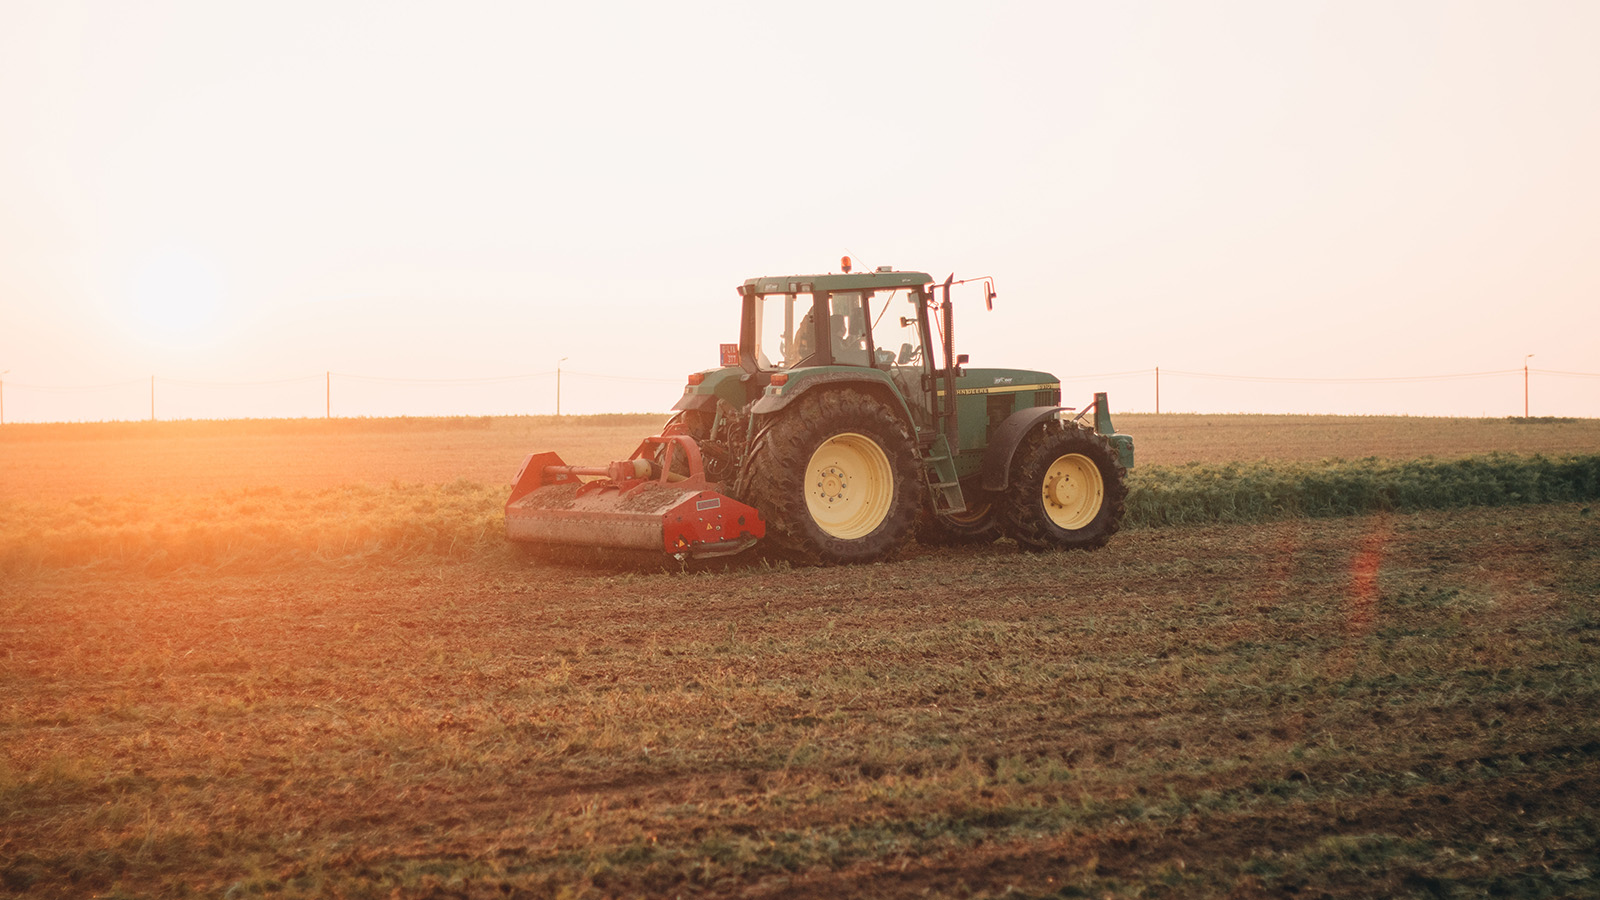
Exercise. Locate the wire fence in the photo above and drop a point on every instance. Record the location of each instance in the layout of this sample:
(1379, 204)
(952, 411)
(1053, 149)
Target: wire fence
(1524, 375)
(349, 394)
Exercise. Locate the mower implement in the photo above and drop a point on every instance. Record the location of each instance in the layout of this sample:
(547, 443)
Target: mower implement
(639, 503)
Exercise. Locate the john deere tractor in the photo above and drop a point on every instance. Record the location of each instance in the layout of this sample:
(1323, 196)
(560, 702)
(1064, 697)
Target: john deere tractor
(840, 425)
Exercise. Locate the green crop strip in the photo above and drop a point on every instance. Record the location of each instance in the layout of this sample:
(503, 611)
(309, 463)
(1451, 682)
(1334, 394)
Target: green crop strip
(1258, 492)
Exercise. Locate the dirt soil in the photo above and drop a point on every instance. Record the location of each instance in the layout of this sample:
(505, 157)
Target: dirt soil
(1397, 705)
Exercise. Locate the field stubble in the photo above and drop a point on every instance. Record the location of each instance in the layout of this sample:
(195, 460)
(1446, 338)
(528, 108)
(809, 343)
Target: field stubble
(1364, 706)
(317, 679)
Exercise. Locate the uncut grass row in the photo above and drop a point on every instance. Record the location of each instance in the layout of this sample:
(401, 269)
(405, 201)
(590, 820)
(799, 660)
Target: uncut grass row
(1256, 492)
(251, 529)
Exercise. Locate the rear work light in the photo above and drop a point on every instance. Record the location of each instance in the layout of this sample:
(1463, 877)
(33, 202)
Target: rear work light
(780, 379)
(697, 378)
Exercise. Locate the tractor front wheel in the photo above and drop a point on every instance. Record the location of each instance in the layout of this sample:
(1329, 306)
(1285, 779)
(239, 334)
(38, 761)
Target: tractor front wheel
(1066, 490)
(834, 477)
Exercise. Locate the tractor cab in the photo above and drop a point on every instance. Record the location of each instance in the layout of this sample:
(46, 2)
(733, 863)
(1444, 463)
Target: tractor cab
(833, 320)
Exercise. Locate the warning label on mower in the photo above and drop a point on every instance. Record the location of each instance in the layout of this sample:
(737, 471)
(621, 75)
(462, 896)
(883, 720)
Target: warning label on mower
(713, 503)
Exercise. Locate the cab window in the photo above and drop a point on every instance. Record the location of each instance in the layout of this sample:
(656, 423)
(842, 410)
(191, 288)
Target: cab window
(847, 330)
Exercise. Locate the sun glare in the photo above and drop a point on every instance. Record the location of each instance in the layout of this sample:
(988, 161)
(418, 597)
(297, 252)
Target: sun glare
(176, 300)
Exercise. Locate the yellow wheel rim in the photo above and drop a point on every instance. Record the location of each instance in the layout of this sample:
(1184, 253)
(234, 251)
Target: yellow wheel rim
(1073, 491)
(849, 486)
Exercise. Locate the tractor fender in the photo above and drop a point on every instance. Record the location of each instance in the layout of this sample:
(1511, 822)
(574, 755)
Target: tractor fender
(1005, 441)
(764, 410)
(726, 383)
(880, 387)
(706, 403)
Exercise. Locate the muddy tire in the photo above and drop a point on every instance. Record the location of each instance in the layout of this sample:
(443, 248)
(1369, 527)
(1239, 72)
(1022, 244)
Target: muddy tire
(835, 479)
(980, 524)
(1066, 490)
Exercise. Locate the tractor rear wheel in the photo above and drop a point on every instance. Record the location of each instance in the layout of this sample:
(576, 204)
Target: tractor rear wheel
(1067, 490)
(835, 479)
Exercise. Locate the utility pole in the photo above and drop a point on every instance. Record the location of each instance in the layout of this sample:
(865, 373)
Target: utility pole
(1525, 384)
(558, 384)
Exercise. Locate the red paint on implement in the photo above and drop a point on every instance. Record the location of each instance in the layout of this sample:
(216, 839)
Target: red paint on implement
(637, 503)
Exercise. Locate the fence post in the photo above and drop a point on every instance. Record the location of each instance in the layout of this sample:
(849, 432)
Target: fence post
(1525, 384)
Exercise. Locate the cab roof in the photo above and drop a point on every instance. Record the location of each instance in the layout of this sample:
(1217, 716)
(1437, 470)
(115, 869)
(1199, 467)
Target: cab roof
(881, 280)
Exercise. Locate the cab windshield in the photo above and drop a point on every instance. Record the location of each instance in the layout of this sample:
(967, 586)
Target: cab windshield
(789, 334)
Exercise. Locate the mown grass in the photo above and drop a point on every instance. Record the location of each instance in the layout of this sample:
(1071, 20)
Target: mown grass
(364, 691)
(1212, 711)
(259, 528)
(255, 529)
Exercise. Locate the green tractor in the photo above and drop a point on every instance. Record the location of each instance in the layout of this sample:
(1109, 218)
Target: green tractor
(832, 434)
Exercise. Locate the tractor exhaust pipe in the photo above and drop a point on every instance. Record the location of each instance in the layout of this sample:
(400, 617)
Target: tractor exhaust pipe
(951, 433)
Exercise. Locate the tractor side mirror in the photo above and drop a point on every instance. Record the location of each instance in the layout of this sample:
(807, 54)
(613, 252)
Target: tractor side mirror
(988, 297)
(906, 351)
(961, 359)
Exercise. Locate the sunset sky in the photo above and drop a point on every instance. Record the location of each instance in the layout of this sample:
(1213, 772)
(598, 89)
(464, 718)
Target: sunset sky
(1330, 203)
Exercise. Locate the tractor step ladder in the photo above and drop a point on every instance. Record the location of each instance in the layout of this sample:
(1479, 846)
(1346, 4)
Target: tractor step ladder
(939, 469)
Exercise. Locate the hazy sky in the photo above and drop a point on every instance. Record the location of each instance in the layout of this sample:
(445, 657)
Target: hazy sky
(224, 194)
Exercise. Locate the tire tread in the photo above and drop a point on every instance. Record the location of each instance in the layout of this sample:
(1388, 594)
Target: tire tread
(774, 478)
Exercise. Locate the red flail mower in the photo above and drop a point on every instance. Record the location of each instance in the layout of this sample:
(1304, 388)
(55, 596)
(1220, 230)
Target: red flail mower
(657, 499)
